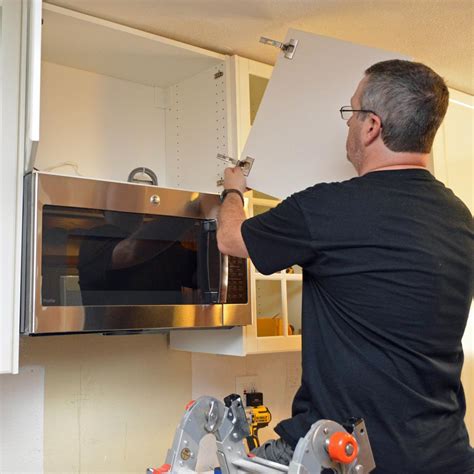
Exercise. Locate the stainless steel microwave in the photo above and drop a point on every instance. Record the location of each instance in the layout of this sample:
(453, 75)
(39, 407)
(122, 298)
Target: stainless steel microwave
(112, 257)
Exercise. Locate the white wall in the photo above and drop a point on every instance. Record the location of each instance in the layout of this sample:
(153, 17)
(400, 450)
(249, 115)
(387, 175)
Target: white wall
(21, 426)
(278, 377)
(111, 404)
(106, 126)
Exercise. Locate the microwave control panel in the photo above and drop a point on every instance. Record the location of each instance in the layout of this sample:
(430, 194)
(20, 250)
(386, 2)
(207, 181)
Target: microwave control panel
(237, 290)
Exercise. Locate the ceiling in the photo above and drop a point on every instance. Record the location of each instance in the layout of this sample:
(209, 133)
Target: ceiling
(436, 32)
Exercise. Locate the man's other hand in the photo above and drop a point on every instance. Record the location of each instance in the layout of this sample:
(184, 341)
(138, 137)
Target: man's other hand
(235, 179)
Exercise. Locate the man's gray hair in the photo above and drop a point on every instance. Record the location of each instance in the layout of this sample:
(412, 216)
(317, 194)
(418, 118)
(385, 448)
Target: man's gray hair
(411, 101)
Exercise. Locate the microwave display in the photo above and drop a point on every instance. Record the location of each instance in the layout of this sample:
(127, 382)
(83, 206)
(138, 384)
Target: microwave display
(109, 258)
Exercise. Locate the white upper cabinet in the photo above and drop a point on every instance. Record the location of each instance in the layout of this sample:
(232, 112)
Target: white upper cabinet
(298, 137)
(115, 98)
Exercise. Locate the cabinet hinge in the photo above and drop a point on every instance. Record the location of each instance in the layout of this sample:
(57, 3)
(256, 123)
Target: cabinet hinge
(288, 48)
(245, 165)
(218, 74)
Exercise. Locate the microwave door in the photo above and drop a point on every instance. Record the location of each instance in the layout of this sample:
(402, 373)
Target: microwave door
(111, 258)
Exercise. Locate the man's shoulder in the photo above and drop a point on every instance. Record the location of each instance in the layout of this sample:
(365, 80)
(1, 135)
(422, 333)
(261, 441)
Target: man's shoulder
(328, 190)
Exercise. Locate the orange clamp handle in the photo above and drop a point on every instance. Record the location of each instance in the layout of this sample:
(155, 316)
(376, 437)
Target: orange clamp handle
(189, 405)
(342, 447)
(160, 470)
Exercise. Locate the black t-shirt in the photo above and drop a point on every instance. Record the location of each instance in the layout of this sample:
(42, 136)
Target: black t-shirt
(387, 284)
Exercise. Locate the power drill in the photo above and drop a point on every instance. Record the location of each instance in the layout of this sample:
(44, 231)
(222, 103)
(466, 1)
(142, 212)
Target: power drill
(259, 417)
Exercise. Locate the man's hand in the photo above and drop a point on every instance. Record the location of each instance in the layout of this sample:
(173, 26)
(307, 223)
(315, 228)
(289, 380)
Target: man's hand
(235, 179)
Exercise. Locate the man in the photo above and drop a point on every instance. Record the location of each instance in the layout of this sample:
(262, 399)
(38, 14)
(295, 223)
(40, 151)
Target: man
(387, 280)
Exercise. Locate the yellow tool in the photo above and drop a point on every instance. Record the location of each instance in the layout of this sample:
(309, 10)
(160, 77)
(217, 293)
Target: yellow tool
(258, 415)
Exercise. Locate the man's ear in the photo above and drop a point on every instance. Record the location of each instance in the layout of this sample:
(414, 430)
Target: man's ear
(372, 129)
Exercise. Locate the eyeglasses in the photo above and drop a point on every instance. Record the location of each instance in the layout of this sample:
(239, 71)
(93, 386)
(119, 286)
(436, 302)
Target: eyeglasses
(347, 111)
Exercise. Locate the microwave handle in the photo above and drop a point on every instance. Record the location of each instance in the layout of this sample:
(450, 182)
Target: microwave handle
(210, 227)
(224, 278)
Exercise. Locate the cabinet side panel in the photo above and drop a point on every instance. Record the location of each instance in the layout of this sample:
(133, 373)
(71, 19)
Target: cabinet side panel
(11, 184)
(196, 125)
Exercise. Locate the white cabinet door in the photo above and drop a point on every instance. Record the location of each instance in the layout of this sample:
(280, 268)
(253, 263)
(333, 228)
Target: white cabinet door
(33, 80)
(10, 186)
(20, 28)
(298, 138)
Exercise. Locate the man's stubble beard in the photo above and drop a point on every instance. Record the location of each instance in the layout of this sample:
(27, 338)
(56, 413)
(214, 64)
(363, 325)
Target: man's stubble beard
(355, 156)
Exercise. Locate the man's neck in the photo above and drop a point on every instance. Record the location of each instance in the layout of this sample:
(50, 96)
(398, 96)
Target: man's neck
(394, 161)
(394, 167)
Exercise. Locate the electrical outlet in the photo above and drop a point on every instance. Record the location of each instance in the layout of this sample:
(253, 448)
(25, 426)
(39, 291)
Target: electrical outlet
(245, 384)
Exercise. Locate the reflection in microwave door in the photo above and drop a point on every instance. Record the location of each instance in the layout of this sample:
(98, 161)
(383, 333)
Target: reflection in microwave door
(70, 291)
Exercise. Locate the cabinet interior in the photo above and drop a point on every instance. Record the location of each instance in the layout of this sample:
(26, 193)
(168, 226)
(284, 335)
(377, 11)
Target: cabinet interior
(91, 44)
(269, 308)
(257, 86)
(294, 300)
(114, 98)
